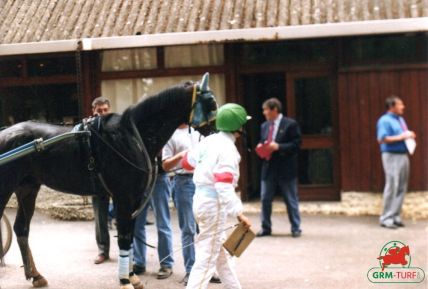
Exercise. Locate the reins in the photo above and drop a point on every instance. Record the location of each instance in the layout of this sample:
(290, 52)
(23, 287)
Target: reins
(118, 153)
(151, 174)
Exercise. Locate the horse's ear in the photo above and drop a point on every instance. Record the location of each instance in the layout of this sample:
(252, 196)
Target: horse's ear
(205, 82)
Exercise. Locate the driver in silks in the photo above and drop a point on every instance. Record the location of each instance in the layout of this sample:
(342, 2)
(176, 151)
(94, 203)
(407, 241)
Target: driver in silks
(216, 172)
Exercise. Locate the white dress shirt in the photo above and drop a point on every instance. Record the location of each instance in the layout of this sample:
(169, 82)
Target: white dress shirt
(276, 123)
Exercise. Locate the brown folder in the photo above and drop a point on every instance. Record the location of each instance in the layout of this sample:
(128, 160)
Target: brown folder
(239, 240)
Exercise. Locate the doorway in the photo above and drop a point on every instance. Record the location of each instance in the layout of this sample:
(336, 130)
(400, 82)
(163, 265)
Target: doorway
(308, 98)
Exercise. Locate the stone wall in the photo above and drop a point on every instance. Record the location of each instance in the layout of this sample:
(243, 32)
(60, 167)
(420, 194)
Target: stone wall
(71, 207)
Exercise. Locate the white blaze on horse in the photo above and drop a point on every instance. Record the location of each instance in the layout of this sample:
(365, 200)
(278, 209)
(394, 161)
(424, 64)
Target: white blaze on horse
(116, 156)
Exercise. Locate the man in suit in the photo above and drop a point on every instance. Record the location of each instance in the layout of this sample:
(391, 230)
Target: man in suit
(280, 136)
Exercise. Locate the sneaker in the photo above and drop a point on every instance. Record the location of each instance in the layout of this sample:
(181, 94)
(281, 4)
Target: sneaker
(399, 224)
(164, 272)
(263, 233)
(389, 226)
(185, 279)
(215, 279)
(139, 270)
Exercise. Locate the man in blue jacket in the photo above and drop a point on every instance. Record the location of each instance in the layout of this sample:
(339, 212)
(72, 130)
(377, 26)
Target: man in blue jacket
(281, 137)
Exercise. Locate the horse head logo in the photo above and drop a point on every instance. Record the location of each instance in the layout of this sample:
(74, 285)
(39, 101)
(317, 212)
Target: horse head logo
(394, 255)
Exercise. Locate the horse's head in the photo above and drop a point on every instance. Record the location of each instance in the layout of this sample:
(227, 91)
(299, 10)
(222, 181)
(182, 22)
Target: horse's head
(204, 105)
(405, 250)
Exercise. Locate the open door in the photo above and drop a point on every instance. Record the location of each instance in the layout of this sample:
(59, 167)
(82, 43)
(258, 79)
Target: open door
(308, 98)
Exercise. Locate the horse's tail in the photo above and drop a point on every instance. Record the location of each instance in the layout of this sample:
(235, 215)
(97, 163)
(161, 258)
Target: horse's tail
(380, 257)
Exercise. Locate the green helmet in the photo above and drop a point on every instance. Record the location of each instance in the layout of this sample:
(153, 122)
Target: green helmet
(231, 117)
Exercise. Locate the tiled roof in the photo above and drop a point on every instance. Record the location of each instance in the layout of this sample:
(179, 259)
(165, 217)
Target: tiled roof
(44, 20)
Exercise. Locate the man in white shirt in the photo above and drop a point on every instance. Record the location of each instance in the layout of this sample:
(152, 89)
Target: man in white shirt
(183, 188)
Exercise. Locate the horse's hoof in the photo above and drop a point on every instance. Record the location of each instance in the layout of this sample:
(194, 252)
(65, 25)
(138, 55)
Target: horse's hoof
(135, 281)
(39, 281)
(126, 286)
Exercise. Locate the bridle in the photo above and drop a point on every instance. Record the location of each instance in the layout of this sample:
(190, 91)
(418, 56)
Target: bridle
(192, 105)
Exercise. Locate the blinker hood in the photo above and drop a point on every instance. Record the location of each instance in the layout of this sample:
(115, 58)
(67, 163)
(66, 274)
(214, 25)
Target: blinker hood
(204, 106)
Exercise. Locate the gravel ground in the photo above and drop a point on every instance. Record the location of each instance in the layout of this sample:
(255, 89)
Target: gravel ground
(334, 252)
(69, 207)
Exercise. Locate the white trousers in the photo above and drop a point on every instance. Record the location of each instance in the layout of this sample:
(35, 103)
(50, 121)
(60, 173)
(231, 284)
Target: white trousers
(210, 254)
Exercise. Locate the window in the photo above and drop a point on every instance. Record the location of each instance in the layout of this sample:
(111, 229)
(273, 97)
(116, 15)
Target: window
(283, 52)
(391, 49)
(129, 59)
(55, 103)
(48, 66)
(123, 93)
(194, 55)
(313, 105)
(10, 68)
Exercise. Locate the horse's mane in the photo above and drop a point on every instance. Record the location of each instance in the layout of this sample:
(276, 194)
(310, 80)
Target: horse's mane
(151, 106)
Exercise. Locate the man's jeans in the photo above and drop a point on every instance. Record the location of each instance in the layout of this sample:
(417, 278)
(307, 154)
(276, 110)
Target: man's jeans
(183, 191)
(288, 189)
(101, 205)
(159, 202)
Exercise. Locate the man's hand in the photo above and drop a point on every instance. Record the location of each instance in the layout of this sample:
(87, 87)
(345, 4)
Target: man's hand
(244, 221)
(273, 146)
(171, 162)
(396, 138)
(408, 134)
(181, 155)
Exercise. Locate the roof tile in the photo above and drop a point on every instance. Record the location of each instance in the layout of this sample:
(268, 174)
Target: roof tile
(44, 20)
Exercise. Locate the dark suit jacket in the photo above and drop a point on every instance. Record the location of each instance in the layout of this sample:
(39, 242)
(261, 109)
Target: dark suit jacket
(283, 162)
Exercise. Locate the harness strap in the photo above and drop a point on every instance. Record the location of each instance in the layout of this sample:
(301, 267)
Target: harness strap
(146, 201)
(151, 173)
(193, 103)
(104, 184)
(116, 151)
(143, 149)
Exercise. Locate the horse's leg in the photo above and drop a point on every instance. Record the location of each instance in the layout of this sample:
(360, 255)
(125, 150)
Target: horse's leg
(125, 229)
(26, 195)
(133, 278)
(8, 184)
(4, 198)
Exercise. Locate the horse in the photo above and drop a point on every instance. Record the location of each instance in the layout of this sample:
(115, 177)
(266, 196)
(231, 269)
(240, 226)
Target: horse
(116, 157)
(395, 256)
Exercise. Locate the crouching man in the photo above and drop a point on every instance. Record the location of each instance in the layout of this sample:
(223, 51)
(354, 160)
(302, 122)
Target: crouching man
(216, 172)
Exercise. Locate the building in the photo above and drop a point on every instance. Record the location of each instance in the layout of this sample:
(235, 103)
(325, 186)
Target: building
(331, 62)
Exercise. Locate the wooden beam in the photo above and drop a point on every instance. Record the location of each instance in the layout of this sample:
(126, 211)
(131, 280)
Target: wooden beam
(37, 80)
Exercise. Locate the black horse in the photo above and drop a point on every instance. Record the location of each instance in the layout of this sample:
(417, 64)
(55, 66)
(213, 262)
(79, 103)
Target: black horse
(116, 157)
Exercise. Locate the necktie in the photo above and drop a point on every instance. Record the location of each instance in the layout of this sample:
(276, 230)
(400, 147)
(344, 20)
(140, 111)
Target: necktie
(270, 134)
(402, 124)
